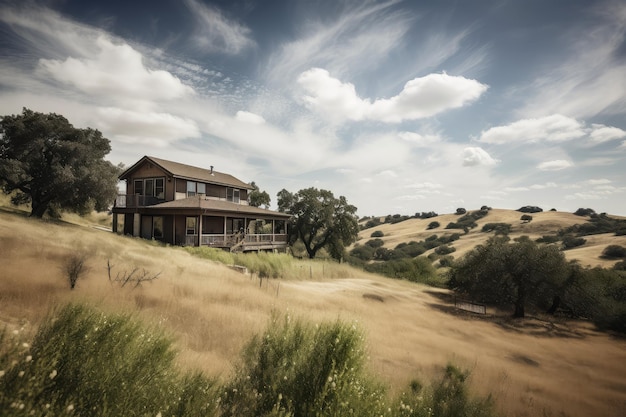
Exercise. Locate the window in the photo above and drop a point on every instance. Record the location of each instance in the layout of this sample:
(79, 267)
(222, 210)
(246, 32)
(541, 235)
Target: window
(232, 194)
(159, 188)
(157, 227)
(191, 188)
(201, 188)
(139, 187)
(191, 225)
(149, 187)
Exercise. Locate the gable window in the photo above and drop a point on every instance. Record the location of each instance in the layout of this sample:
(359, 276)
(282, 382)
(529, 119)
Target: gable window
(150, 187)
(232, 194)
(139, 187)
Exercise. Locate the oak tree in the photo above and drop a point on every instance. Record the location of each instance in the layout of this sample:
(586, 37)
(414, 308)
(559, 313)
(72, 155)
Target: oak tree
(47, 162)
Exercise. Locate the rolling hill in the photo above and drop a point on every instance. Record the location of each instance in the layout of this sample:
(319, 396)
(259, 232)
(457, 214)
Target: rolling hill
(543, 223)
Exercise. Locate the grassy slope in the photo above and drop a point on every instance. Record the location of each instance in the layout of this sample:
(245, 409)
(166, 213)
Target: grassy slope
(532, 367)
(544, 223)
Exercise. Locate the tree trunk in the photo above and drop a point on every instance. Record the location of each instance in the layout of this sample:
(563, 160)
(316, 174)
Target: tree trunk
(556, 302)
(38, 209)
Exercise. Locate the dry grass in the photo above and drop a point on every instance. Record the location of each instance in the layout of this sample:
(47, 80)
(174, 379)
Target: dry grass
(533, 367)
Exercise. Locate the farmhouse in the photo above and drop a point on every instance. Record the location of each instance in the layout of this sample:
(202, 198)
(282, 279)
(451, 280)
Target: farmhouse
(185, 205)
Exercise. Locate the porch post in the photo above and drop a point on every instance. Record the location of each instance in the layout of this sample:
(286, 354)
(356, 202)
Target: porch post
(174, 229)
(200, 231)
(114, 227)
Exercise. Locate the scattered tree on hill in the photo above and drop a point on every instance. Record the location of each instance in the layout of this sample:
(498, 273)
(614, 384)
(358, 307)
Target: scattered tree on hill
(460, 211)
(519, 273)
(530, 209)
(47, 162)
(258, 198)
(584, 212)
(614, 252)
(526, 218)
(433, 225)
(377, 233)
(320, 220)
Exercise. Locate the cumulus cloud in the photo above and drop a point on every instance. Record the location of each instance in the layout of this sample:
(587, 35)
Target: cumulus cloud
(217, 33)
(159, 128)
(420, 98)
(555, 165)
(601, 133)
(117, 72)
(419, 140)
(473, 156)
(247, 117)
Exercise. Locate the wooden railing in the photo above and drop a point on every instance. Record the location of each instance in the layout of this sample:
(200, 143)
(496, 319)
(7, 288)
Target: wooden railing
(136, 200)
(229, 240)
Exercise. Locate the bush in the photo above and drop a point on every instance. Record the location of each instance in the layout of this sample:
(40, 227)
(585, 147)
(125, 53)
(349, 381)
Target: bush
(444, 250)
(91, 363)
(548, 239)
(584, 212)
(363, 252)
(377, 233)
(500, 228)
(572, 242)
(620, 266)
(426, 215)
(460, 211)
(614, 251)
(297, 369)
(74, 267)
(433, 225)
(526, 218)
(375, 243)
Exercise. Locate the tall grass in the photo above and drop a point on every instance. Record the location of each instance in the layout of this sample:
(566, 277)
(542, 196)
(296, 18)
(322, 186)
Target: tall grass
(83, 362)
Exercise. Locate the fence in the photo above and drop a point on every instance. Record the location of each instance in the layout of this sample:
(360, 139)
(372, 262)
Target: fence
(469, 306)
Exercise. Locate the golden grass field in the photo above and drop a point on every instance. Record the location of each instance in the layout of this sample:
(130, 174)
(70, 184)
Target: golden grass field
(532, 367)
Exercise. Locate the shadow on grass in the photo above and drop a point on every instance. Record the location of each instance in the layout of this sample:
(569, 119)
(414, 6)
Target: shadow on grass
(534, 325)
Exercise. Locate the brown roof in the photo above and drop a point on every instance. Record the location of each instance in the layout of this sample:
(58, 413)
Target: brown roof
(199, 202)
(178, 170)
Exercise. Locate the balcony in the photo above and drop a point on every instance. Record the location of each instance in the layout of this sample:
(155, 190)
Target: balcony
(136, 200)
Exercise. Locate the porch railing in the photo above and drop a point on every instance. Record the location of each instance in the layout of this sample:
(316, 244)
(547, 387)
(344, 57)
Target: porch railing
(229, 240)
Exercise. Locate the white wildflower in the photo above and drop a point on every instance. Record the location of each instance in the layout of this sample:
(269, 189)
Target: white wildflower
(70, 408)
(21, 374)
(53, 374)
(29, 358)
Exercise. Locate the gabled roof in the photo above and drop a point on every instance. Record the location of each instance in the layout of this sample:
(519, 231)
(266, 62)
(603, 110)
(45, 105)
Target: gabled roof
(188, 172)
(202, 203)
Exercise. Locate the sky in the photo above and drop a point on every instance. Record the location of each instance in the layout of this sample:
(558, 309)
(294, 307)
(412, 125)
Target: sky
(400, 106)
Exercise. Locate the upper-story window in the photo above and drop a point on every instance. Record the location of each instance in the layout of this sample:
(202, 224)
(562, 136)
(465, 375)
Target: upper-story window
(152, 187)
(194, 188)
(232, 194)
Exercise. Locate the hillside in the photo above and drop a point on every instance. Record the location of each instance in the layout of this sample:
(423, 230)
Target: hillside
(532, 367)
(544, 223)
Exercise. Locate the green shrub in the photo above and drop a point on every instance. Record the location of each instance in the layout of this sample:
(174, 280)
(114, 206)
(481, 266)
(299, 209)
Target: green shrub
(460, 211)
(297, 369)
(363, 252)
(548, 239)
(572, 242)
(444, 250)
(91, 363)
(375, 243)
(377, 233)
(433, 225)
(614, 251)
(499, 228)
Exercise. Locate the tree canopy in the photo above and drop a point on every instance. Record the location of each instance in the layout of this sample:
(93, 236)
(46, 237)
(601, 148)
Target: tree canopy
(518, 273)
(258, 198)
(320, 220)
(47, 162)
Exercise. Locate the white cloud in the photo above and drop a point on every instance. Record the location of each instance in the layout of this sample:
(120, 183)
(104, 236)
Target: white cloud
(419, 140)
(116, 72)
(420, 98)
(601, 133)
(145, 126)
(599, 181)
(247, 117)
(554, 128)
(217, 33)
(543, 186)
(473, 156)
(555, 165)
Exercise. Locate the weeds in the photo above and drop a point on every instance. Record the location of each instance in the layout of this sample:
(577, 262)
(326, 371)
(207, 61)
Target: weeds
(74, 267)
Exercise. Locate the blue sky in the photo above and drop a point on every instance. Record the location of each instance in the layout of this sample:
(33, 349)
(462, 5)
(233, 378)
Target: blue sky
(401, 106)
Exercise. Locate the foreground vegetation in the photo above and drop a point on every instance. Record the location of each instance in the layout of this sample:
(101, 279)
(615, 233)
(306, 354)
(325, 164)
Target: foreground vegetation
(84, 362)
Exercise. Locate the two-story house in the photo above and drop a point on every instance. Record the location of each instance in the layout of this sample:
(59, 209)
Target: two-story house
(185, 205)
